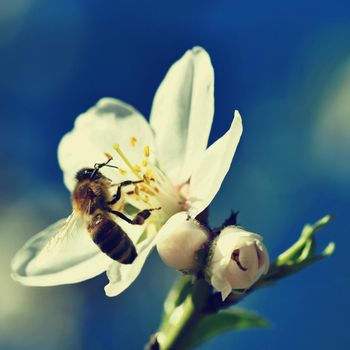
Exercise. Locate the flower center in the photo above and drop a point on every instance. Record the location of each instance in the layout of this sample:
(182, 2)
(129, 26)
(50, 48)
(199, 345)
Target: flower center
(155, 189)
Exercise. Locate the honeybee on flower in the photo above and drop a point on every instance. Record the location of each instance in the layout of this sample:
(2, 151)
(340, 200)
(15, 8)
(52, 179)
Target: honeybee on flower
(166, 161)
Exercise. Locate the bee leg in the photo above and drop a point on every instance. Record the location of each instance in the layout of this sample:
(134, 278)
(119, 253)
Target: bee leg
(139, 219)
(117, 196)
(142, 216)
(120, 215)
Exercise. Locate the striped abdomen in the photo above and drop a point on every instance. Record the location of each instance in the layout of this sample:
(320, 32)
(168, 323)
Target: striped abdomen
(111, 239)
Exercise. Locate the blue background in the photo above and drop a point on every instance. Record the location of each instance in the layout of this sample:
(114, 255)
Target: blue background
(284, 65)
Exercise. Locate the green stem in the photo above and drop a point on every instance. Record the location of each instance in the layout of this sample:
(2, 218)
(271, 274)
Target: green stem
(175, 333)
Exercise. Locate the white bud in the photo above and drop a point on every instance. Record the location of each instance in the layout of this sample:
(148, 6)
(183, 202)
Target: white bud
(179, 241)
(238, 261)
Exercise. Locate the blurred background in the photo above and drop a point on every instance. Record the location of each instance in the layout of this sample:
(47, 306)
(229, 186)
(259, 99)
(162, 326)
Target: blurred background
(284, 65)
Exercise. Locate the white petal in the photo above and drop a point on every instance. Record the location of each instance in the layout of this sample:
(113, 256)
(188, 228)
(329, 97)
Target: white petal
(222, 286)
(213, 166)
(182, 113)
(179, 240)
(234, 237)
(264, 258)
(71, 259)
(109, 122)
(122, 276)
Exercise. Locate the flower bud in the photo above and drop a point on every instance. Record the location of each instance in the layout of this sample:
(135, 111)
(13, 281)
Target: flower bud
(239, 258)
(179, 241)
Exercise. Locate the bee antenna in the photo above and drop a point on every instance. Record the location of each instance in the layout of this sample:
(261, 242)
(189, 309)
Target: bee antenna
(98, 166)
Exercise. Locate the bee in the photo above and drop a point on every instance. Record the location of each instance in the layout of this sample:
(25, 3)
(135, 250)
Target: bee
(92, 205)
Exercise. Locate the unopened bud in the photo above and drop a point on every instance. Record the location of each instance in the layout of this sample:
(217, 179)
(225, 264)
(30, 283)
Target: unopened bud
(179, 241)
(239, 258)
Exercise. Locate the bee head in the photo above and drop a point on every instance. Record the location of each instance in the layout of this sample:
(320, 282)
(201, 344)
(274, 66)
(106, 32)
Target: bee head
(88, 174)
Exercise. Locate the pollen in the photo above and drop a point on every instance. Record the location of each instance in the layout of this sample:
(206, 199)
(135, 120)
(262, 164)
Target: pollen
(145, 163)
(122, 171)
(133, 141)
(146, 151)
(137, 191)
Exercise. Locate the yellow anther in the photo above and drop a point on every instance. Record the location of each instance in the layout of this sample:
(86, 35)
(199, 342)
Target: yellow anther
(144, 162)
(108, 155)
(137, 168)
(156, 189)
(126, 160)
(137, 191)
(146, 151)
(122, 171)
(146, 179)
(149, 174)
(133, 141)
(146, 199)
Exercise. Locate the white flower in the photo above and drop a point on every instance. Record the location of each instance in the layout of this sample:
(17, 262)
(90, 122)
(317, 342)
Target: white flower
(238, 261)
(180, 241)
(170, 154)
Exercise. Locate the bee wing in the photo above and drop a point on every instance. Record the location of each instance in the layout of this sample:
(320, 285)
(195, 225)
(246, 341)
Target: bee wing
(62, 253)
(66, 229)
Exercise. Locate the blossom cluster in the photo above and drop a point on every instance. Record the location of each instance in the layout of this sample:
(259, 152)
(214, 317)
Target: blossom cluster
(167, 171)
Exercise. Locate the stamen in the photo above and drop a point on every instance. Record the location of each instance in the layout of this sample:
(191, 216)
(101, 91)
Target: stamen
(146, 179)
(133, 141)
(146, 151)
(126, 160)
(147, 190)
(155, 190)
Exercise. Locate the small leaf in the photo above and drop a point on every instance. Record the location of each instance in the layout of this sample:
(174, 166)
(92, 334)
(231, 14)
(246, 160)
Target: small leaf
(310, 230)
(304, 247)
(308, 250)
(299, 256)
(329, 250)
(224, 321)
